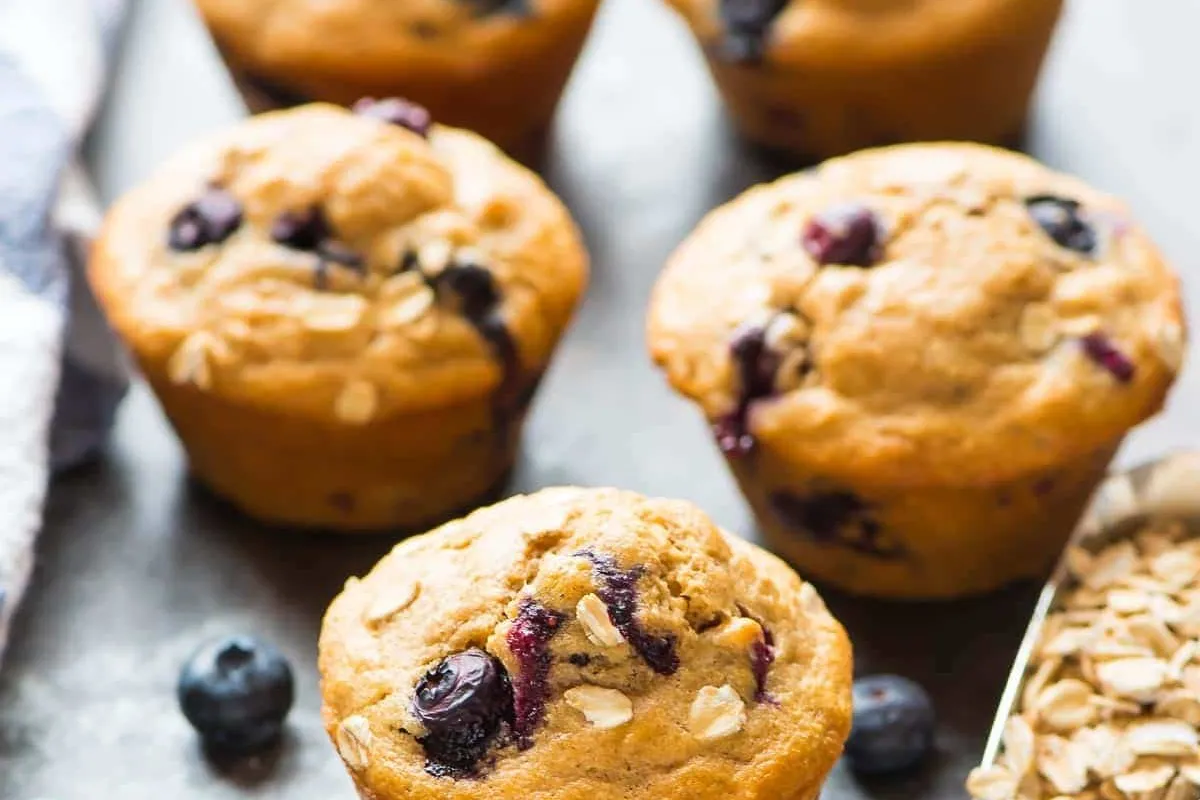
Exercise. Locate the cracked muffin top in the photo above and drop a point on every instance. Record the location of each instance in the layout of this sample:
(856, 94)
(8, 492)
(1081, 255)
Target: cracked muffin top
(319, 261)
(584, 644)
(920, 313)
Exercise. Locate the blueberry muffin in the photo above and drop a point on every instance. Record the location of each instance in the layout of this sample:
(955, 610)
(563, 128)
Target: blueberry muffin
(345, 316)
(919, 359)
(820, 78)
(496, 67)
(584, 644)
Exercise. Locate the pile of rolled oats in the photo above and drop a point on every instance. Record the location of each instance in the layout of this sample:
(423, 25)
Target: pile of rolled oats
(1111, 700)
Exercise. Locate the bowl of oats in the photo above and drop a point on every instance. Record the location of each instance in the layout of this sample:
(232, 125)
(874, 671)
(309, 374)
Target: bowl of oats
(1103, 701)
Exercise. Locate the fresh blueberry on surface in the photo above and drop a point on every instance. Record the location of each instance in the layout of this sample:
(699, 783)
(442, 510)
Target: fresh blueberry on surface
(210, 219)
(894, 724)
(463, 702)
(396, 111)
(1063, 221)
(848, 234)
(236, 693)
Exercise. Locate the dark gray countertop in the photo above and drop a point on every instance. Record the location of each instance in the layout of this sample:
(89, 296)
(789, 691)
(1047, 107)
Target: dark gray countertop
(136, 566)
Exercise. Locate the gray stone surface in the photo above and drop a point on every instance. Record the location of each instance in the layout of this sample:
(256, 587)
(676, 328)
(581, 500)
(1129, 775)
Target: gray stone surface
(137, 566)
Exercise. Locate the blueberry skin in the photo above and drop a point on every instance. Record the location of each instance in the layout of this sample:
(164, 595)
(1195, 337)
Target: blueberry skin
(236, 692)
(894, 724)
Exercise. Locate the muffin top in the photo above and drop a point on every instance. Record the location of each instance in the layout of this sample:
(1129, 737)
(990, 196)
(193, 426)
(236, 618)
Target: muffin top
(853, 32)
(920, 313)
(584, 644)
(322, 262)
(361, 42)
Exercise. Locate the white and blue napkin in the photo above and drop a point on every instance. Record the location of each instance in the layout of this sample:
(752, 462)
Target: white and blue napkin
(61, 374)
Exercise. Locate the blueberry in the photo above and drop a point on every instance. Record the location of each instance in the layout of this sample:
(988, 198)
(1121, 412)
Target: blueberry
(396, 111)
(1100, 349)
(835, 518)
(848, 234)
(1062, 220)
(618, 590)
(463, 702)
(210, 219)
(470, 287)
(756, 367)
(301, 230)
(236, 693)
(309, 230)
(529, 640)
(486, 8)
(746, 25)
(893, 725)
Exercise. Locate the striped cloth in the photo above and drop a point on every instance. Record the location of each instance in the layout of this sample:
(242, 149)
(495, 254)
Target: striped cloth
(61, 375)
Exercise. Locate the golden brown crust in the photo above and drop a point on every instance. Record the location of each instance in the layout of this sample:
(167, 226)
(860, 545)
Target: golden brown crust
(840, 75)
(497, 73)
(254, 311)
(366, 393)
(461, 586)
(923, 371)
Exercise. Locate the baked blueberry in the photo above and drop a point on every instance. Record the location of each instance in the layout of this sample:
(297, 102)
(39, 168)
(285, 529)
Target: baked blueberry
(485, 8)
(837, 519)
(618, 590)
(848, 234)
(236, 693)
(756, 366)
(209, 219)
(396, 111)
(301, 230)
(893, 727)
(1100, 348)
(1063, 221)
(468, 286)
(463, 702)
(747, 23)
(762, 656)
(529, 640)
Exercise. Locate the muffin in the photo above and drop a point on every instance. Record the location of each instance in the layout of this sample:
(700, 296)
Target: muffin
(919, 359)
(820, 78)
(584, 644)
(496, 67)
(345, 316)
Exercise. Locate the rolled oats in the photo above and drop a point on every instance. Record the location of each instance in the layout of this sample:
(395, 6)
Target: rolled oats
(354, 742)
(592, 613)
(1038, 329)
(739, 633)
(1110, 707)
(390, 602)
(716, 713)
(1169, 342)
(603, 708)
(190, 363)
(1065, 706)
(995, 783)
